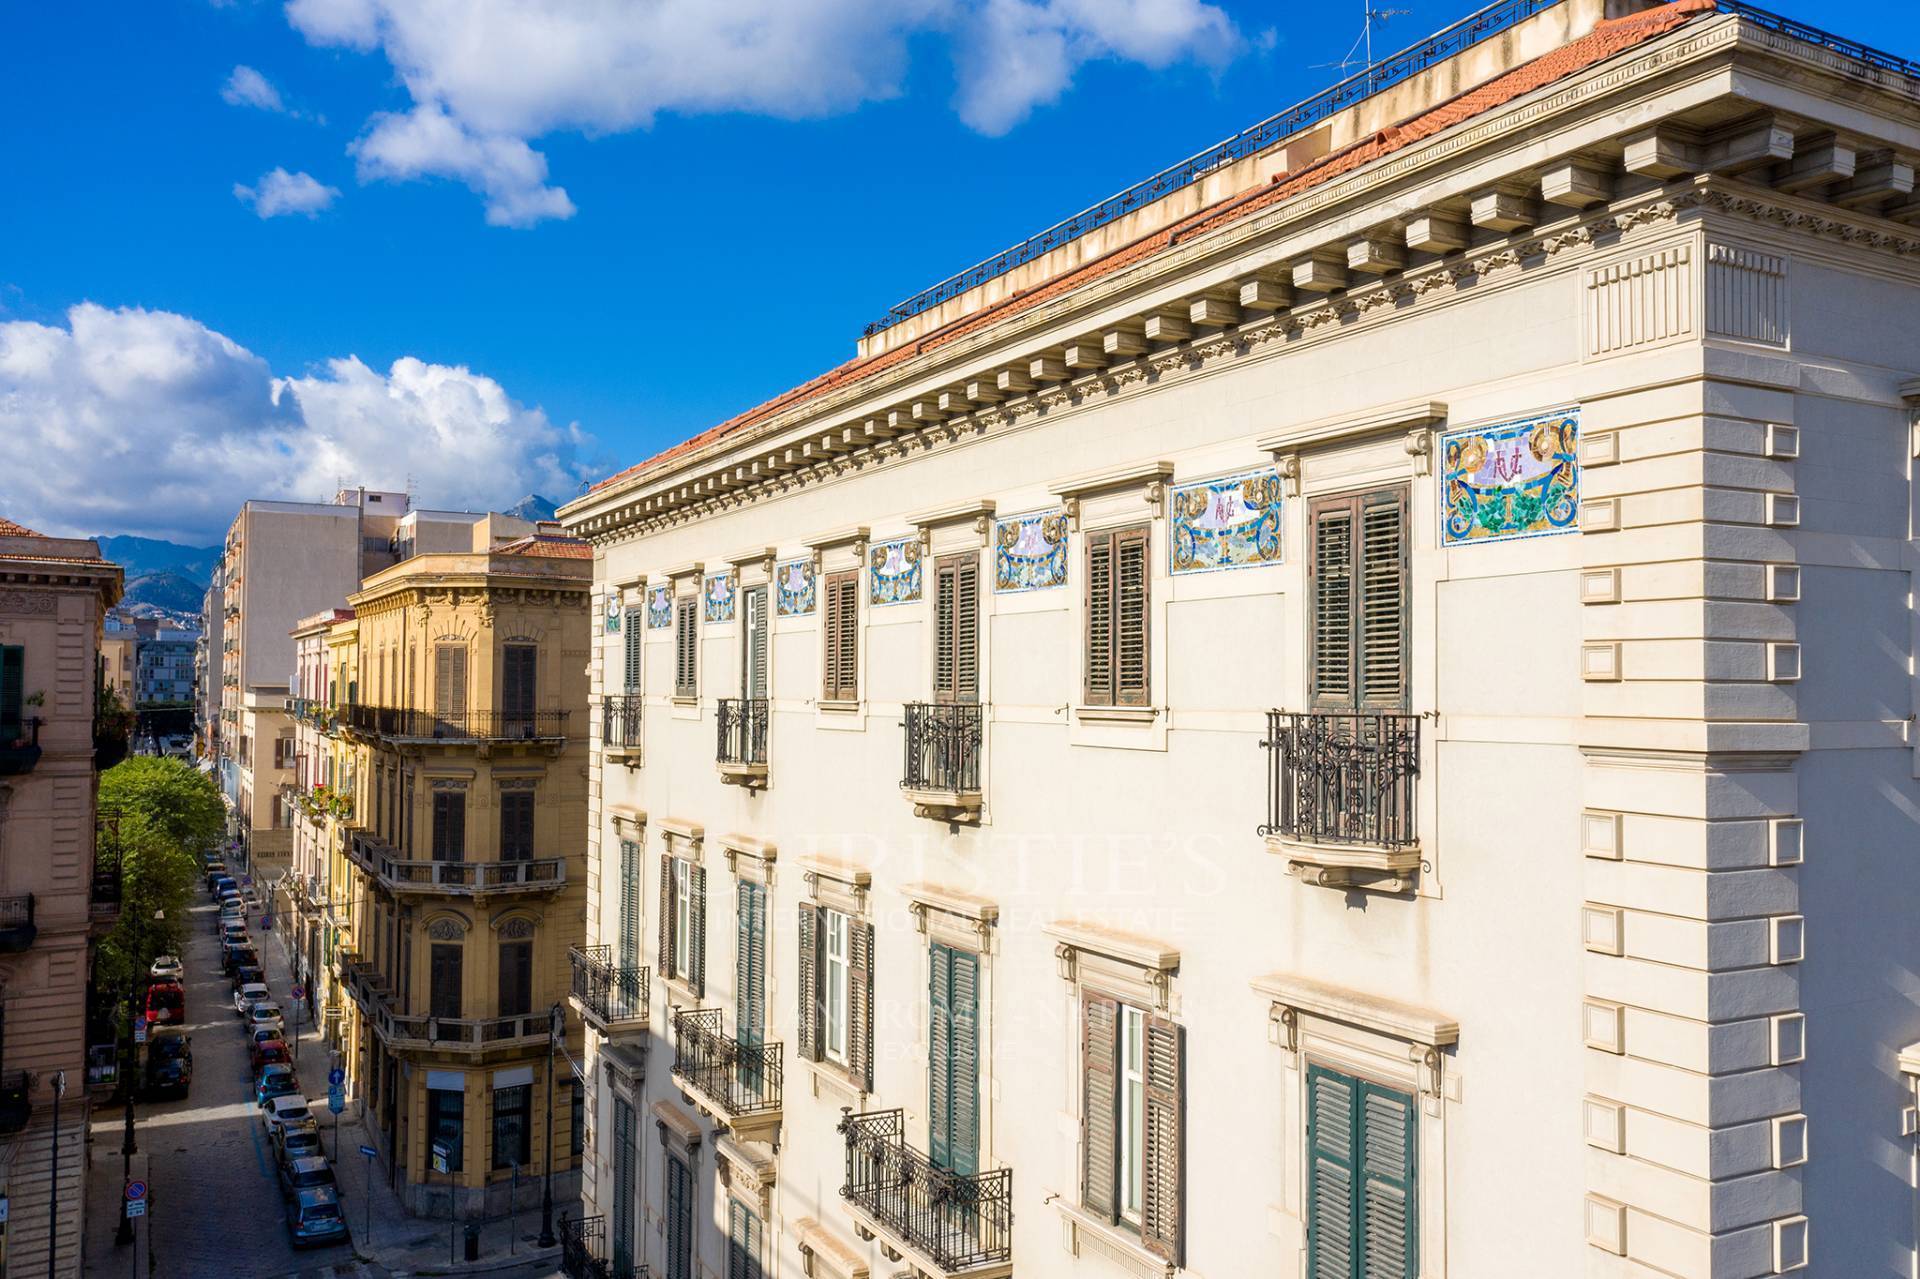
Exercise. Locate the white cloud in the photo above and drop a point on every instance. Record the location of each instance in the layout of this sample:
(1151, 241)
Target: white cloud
(150, 422)
(248, 88)
(280, 192)
(488, 80)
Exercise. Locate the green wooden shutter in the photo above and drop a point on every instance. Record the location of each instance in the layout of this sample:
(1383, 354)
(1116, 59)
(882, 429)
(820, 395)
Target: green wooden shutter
(1386, 1122)
(860, 1002)
(1099, 1110)
(1098, 595)
(940, 1055)
(13, 694)
(633, 642)
(686, 667)
(807, 1028)
(750, 979)
(679, 1219)
(1382, 655)
(964, 1064)
(697, 926)
(743, 1242)
(629, 936)
(666, 915)
(1330, 1175)
(1164, 1146)
(623, 1196)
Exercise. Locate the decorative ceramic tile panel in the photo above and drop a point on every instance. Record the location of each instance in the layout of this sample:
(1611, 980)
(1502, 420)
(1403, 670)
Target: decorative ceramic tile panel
(1230, 522)
(1030, 552)
(794, 588)
(1511, 479)
(613, 612)
(659, 607)
(893, 572)
(717, 596)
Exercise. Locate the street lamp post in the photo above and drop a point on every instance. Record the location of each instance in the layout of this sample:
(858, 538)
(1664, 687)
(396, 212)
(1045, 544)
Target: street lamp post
(124, 1235)
(556, 1027)
(53, 1186)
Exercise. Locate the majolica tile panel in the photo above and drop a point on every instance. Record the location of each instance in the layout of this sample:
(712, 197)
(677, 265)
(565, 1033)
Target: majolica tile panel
(794, 588)
(659, 607)
(893, 572)
(718, 595)
(1030, 552)
(1229, 522)
(1512, 479)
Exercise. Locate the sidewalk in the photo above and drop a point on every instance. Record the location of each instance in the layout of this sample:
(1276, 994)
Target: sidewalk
(390, 1237)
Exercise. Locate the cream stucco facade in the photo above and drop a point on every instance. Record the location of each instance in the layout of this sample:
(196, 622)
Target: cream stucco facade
(1499, 863)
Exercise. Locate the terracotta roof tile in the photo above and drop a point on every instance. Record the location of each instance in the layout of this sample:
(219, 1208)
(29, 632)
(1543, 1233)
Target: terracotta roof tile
(9, 529)
(547, 548)
(1609, 37)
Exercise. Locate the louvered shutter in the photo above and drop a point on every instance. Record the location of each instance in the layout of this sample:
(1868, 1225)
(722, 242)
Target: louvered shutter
(830, 644)
(1164, 1146)
(623, 1190)
(629, 937)
(1332, 592)
(966, 631)
(667, 914)
(964, 1063)
(518, 664)
(743, 1242)
(1330, 1175)
(860, 1002)
(754, 669)
(633, 641)
(450, 684)
(679, 1219)
(696, 974)
(1130, 587)
(945, 605)
(750, 979)
(940, 1055)
(1099, 609)
(685, 653)
(1386, 1227)
(807, 1030)
(1099, 1069)
(13, 694)
(842, 673)
(1382, 653)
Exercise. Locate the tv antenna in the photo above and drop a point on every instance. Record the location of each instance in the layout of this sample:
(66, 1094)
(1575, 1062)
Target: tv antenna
(1363, 43)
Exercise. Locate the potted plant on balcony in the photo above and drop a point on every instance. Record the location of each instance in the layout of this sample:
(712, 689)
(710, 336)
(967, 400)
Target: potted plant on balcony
(112, 728)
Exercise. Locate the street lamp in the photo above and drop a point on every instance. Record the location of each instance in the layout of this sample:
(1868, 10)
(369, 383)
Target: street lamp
(124, 1235)
(53, 1184)
(556, 1027)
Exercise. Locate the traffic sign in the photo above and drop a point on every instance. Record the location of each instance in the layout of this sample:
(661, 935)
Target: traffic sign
(336, 1076)
(440, 1156)
(136, 1207)
(368, 1151)
(136, 1190)
(298, 991)
(3, 1210)
(336, 1099)
(140, 1031)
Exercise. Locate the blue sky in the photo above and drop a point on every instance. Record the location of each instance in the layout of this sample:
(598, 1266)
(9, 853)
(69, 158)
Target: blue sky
(738, 201)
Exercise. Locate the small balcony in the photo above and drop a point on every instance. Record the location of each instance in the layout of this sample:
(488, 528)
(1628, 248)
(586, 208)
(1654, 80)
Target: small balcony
(612, 1000)
(20, 747)
(17, 929)
(423, 1032)
(16, 1103)
(943, 1223)
(393, 724)
(742, 750)
(403, 876)
(941, 776)
(1341, 790)
(103, 890)
(622, 728)
(739, 1083)
(583, 1251)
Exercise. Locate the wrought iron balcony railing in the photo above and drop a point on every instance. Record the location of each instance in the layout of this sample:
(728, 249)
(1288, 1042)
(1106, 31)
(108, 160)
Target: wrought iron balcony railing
(104, 888)
(367, 987)
(956, 1221)
(17, 929)
(622, 722)
(19, 746)
(16, 1106)
(743, 735)
(738, 1079)
(395, 724)
(1338, 777)
(583, 1251)
(943, 747)
(611, 998)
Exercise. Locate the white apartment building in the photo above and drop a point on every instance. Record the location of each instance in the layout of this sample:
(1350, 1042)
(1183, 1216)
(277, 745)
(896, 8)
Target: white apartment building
(1348, 713)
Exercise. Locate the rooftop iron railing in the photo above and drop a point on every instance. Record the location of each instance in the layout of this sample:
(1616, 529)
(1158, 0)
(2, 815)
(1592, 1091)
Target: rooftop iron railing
(1771, 21)
(957, 1221)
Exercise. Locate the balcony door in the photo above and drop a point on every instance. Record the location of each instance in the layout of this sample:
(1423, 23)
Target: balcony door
(450, 687)
(518, 663)
(516, 978)
(753, 644)
(443, 980)
(956, 641)
(953, 1059)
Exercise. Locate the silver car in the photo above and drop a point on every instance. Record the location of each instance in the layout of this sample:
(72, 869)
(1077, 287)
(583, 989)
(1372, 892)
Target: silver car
(254, 992)
(267, 1016)
(281, 1115)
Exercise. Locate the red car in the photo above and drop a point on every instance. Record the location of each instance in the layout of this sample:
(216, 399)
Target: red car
(166, 1003)
(267, 1052)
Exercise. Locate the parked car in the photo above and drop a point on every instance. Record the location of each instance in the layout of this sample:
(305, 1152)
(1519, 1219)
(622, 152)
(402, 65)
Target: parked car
(168, 967)
(275, 1080)
(166, 1003)
(280, 1114)
(268, 1050)
(218, 882)
(314, 1219)
(254, 992)
(267, 1015)
(299, 1143)
(215, 871)
(238, 956)
(169, 1065)
(248, 973)
(235, 934)
(305, 1172)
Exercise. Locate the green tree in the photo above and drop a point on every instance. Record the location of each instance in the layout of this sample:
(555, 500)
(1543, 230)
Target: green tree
(163, 813)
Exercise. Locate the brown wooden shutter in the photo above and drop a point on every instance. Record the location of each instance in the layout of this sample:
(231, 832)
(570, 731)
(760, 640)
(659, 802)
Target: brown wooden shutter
(1383, 600)
(840, 678)
(860, 1002)
(1163, 1190)
(686, 671)
(518, 665)
(966, 629)
(1130, 612)
(450, 683)
(697, 926)
(1099, 1104)
(1099, 610)
(1331, 588)
(945, 581)
(809, 950)
(666, 916)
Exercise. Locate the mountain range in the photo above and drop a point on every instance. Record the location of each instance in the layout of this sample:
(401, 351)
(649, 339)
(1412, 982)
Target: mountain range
(140, 556)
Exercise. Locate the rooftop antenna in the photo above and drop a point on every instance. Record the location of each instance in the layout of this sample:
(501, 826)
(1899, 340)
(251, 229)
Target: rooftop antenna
(1363, 43)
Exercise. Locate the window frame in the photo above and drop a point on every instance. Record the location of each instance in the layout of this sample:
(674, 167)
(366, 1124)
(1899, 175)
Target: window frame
(522, 1153)
(1101, 622)
(831, 983)
(840, 637)
(436, 1117)
(1130, 1095)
